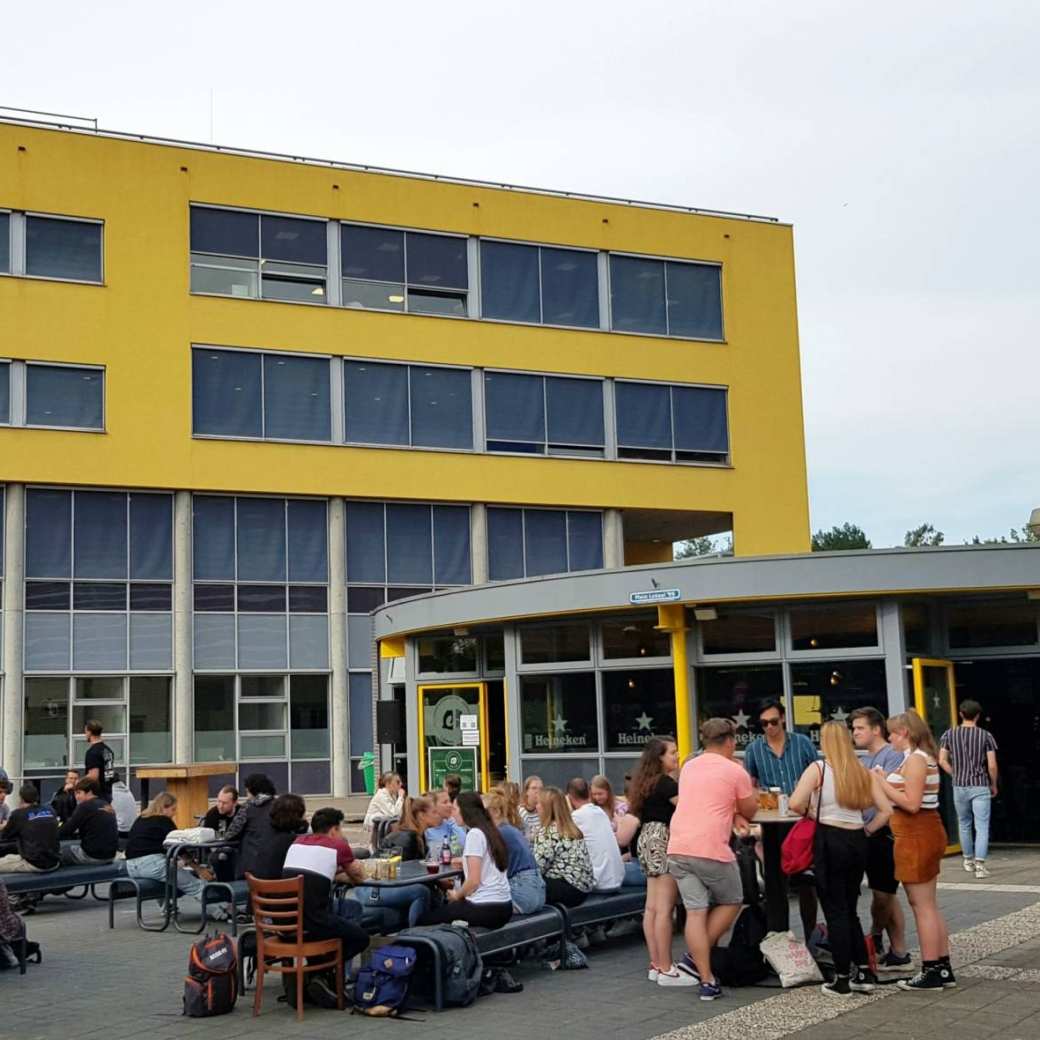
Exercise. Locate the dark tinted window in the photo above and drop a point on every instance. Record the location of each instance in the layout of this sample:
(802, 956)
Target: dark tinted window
(636, 706)
(739, 632)
(635, 635)
(505, 544)
(215, 597)
(558, 714)
(644, 417)
(509, 281)
(308, 599)
(224, 231)
(46, 595)
(637, 295)
(151, 537)
(409, 546)
(544, 644)
(226, 393)
(833, 626)
(62, 249)
(100, 534)
(375, 253)
(213, 540)
(545, 541)
(451, 553)
(436, 261)
(261, 539)
(514, 407)
(293, 240)
(574, 414)
(48, 533)
(99, 595)
(376, 401)
(585, 540)
(261, 598)
(699, 415)
(296, 398)
(5, 242)
(361, 599)
(64, 396)
(441, 407)
(366, 552)
(150, 597)
(694, 300)
(308, 540)
(5, 392)
(570, 288)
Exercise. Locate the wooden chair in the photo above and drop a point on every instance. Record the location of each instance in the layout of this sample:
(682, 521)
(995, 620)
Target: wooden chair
(278, 914)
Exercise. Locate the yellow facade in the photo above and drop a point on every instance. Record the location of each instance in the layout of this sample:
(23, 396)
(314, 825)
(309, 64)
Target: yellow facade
(142, 322)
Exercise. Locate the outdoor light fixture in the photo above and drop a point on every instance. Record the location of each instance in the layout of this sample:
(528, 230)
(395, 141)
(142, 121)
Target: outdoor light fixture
(705, 613)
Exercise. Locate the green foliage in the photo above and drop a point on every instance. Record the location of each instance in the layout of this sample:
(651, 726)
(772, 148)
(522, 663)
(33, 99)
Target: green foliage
(926, 534)
(1014, 536)
(841, 536)
(706, 546)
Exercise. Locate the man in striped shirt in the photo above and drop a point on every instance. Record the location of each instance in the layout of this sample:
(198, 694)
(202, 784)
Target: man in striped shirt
(969, 754)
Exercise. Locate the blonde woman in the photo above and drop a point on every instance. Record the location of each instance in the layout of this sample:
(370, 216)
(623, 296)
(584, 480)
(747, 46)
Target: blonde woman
(561, 853)
(920, 844)
(387, 802)
(836, 791)
(145, 855)
(526, 884)
(509, 795)
(602, 792)
(528, 808)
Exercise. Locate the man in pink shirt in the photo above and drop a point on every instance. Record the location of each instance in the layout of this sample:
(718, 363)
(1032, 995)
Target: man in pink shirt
(712, 790)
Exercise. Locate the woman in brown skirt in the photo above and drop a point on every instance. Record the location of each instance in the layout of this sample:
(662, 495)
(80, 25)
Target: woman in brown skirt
(920, 842)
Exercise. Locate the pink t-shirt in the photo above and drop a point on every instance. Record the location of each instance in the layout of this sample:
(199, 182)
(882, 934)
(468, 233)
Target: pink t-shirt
(709, 787)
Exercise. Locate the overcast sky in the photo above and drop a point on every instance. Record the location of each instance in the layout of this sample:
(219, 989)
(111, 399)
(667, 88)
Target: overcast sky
(902, 140)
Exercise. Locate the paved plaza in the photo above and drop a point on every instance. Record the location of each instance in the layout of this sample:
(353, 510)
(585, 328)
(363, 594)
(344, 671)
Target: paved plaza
(127, 983)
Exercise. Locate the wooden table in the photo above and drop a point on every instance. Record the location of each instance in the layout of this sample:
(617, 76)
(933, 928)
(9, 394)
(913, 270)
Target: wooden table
(414, 872)
(189, 784)
(775, 827)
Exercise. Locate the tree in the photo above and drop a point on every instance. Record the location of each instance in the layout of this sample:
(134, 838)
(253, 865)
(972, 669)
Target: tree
(1014, 536)
(926, 534)
(705, 546)
(841, 536)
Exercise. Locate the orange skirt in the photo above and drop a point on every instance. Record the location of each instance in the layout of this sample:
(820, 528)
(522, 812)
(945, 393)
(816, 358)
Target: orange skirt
(920, 845)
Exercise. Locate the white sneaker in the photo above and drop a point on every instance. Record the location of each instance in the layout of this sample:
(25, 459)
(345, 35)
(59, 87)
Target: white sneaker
(969, 865)
(981, 870)
(674, 977)
(652, 974)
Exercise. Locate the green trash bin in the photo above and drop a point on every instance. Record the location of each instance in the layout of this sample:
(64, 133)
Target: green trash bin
(368, 767)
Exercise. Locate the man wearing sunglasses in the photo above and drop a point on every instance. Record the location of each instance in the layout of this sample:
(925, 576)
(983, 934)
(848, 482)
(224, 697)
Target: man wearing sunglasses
(778, 759)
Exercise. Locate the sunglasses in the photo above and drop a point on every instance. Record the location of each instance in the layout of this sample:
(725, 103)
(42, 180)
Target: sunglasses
(773, 722)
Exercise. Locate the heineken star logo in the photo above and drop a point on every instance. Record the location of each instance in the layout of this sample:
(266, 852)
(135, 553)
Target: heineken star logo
(840, 715)
(559, 725)
(741, 719)
(644, 721)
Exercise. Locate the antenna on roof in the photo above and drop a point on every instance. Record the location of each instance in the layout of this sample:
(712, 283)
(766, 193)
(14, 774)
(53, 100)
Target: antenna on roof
(80, 122)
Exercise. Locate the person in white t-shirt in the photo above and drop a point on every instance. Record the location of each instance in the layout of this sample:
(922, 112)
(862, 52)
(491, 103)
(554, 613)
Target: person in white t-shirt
(607, 866)
(484, 898)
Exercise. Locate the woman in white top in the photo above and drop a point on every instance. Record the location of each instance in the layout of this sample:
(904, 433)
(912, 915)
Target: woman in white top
(387, 802)
(836, 791)
(484, 899)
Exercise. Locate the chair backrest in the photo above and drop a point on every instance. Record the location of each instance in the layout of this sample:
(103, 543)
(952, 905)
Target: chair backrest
(277, 909)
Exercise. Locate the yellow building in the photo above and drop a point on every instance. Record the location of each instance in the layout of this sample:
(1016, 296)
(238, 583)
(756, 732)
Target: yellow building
(249, 398)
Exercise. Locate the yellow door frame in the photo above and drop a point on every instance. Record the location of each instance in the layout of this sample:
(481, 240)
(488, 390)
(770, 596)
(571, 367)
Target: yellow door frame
(918, 665)
(482, 720)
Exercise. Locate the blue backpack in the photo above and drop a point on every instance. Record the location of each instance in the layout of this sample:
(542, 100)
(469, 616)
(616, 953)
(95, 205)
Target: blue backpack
(381, 989)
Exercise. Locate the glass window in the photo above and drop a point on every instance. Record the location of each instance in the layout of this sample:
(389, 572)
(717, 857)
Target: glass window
(545, 644)
(215, 718)
(739, 632)
(5, 388)
(361, 599)
(671, 423)
(409, 548)
(224, 231)
(297, 405)
(213, 540)
(637, 297)
(151, 597)
(451, 551)
(545, 541)
(993, 622)
(5, 242)
(441, 407)
(261, 715)
(226, 393)
(366, 553)
(558, 713)
(99, 688)
(99, 595)
(584, 540)
(46, 741)
(309, 716)
(261, 539)
(46, 595)
(570, 288)
(644, 420)
(514, 406)
(62, 249)
(825, 691)
(574, 416)
(225, 276)
(376, 402)
(736, 693)
(151, 730)
(261, 599)
(263, 686)
(701, 427)
(446, 654)
(48, 533)
(509, 281)
(372, 253)
(100, 534)
(360, 697)
(637, 705)
(832, 626)
(151, 537)
(293, 240)
(635, 635)
(63, 395)
(694, 300)
(436, 261)
(505, 544)
(308, 599)
(308, 539)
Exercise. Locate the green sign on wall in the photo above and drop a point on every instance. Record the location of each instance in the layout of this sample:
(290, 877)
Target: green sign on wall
(445, 760)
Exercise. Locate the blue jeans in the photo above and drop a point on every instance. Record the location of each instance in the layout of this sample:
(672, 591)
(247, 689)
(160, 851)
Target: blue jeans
(634, 876)
(527, 887)
(154, 868)
(973, 805)
(408, 903)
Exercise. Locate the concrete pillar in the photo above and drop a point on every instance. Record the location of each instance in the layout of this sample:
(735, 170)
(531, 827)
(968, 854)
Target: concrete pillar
(478, 543)
(14, 574)
(183, 636)
(613, 539)
(338, 646)
(894, 642)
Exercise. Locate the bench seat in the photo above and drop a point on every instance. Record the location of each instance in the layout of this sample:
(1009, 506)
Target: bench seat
(603, 907)
(64, 877)
(520, 930)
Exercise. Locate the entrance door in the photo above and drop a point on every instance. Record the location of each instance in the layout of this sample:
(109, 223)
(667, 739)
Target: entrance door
(453, 735)
(935, 697)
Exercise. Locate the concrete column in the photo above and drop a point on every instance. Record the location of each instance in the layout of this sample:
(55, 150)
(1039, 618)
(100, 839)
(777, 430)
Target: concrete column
(613, 539)
(338, 645)
(478, 543)
(14, 574)
(183, 635)
(514, 723)
(892, 639)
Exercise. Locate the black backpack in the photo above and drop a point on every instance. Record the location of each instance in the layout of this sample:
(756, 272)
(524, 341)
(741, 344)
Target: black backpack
(211, 985)
(741, 962)
(462, 967)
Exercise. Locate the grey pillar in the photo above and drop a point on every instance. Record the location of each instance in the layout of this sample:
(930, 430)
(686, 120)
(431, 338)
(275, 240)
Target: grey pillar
(338, 645)
(478, 543)
(892, 639)
(411, 712)
(613, 539)
(13, 661)
(514, 723)
(183, 636)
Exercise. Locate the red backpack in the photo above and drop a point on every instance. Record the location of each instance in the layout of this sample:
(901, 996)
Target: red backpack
(796, 853)
(211, 985)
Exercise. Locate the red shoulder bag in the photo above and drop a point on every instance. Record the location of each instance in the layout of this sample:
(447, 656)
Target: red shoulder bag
(796, 852)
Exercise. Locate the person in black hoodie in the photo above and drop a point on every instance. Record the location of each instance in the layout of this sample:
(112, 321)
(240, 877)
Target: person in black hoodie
(94, 824)
(271, 834)
(252, 828)
(64, 801)
(35, 830)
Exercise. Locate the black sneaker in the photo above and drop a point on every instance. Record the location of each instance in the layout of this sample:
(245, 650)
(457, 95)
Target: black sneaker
(319, 992)
(840, 987)
(925, 979)
(947, 976)
(894, 962)
(687, 967)
(505, 983)
(862, 981)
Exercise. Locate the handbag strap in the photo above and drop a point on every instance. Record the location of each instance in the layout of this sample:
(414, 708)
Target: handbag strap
(819, 790)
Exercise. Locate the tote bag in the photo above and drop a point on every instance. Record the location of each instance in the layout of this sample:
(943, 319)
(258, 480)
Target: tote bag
(796, 853)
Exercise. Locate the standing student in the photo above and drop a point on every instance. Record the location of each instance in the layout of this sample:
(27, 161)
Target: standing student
(125, 805)
(651, 799)
(34, 828)
(94, 824)
(99, 763)
(920, 837)
(838, 790)
(871, 737)
(561, 853)
(969, 754)
(252, 828)
(713, 790)
(608, 870)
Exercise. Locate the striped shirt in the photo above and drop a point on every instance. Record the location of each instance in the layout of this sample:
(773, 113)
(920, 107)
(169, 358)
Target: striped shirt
(930, 797)
(968, 747)
(784, 771)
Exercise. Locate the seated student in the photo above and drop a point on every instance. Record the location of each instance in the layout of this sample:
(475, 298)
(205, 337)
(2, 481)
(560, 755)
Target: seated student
(608, 870)
(453, 785)
(406, 904)
(94, 824)
(526, 884)
(319, 863)
(561, 852)
(528, 808)
(5, 809)
(273, 834)
(601, 793)
(34, 828)
(252, 828)
(446, 829)
(227, 817)
(326, 832)
(64, 801)
(125, 805)
(627, 829)
(386, 803)
(484, 899)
